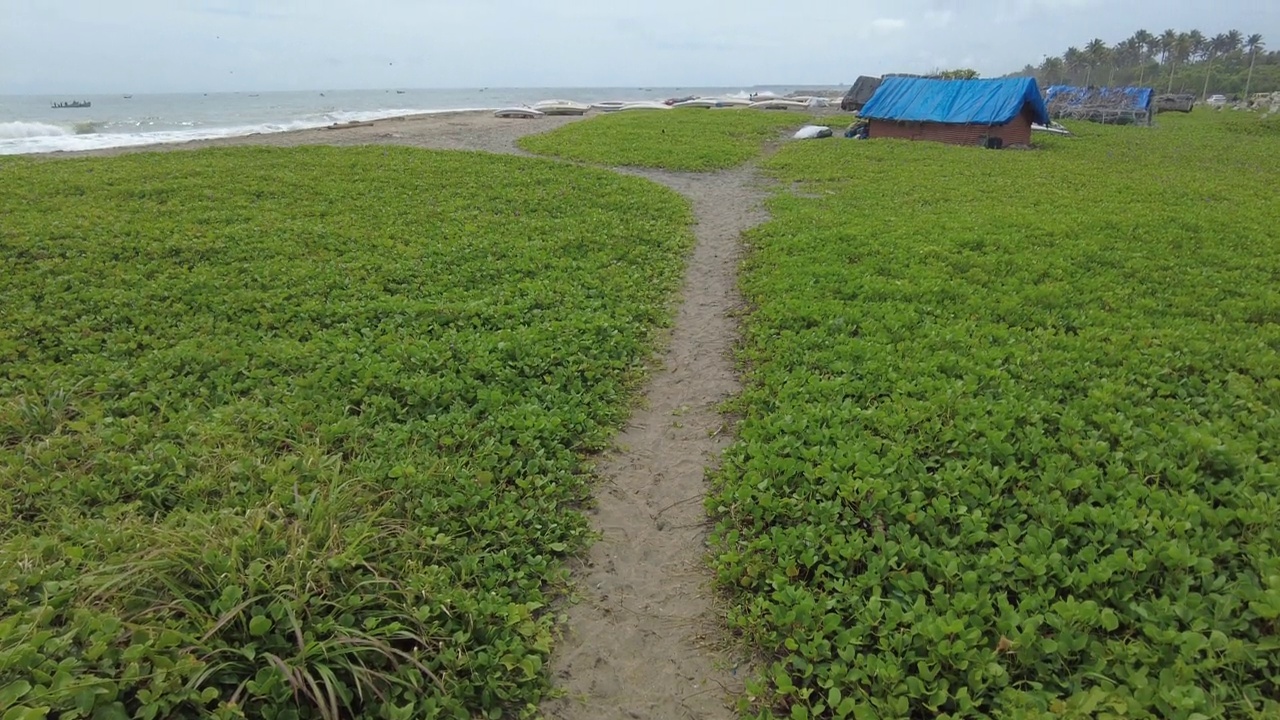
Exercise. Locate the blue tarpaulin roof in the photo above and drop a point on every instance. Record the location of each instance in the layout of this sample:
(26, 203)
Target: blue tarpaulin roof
(1135, 98)
(956, 102)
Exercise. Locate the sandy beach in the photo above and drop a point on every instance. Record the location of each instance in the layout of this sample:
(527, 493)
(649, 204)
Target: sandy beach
(464, 130)
(470, 130)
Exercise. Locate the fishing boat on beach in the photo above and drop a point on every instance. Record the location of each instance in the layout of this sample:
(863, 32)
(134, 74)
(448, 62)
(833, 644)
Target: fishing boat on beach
(71, 104)
(644, 105)
(561, 107)
(524, 113)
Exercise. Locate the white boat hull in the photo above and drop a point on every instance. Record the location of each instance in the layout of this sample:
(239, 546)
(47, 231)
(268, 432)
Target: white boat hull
(521, 113)
(645, 106)
(561, 107)
(698, 103)
(1051, 129)
(779, 105)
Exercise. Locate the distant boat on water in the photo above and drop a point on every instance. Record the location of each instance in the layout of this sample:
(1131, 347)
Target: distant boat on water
(399, 92)
(128, 97)
(71, 104)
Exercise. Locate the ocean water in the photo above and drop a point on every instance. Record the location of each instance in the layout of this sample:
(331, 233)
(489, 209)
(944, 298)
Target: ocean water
(28, 123)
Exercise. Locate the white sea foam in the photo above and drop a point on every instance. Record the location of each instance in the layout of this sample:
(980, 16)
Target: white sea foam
(17, 130)
(18, 138)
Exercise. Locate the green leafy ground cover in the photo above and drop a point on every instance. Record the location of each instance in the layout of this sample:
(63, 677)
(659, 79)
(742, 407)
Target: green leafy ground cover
(299, 433)
(1011, 440)
(682, 140)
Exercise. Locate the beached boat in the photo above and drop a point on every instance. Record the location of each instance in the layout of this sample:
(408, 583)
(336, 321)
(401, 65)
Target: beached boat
(732, 101)
(1052, 129)
(645, 105)
(812, 101)
(524, 113)
(779, 105)
(608, 105)
(561, 107)
(697, 103)
(348, 125)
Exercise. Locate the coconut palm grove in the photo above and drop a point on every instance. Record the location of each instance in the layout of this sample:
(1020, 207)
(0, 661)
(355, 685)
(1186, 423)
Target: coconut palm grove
(1229, 63)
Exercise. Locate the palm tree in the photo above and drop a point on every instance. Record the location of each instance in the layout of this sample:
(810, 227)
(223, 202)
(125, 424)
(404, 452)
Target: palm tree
(1253, 45)
(1119, 55)
(1135, 53)
(1233, 41)
(1142, 38)
(1168, 39)
(1095, 53)
(1153, 46)
(1073, 59)
(1218, 44)
(1051, 69)
(1199, 45)
(1180, 51)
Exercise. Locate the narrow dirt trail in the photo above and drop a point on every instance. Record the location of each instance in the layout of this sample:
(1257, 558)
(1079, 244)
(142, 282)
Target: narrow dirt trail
(635, 646)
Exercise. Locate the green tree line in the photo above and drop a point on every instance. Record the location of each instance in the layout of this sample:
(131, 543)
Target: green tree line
(1229, 63)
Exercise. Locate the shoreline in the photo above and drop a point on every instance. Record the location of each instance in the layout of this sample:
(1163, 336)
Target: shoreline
(469, 129)
(442, 130)
(247, 136)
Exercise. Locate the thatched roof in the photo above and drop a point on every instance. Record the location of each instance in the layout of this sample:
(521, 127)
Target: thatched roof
(1118, 106)
(860, 93)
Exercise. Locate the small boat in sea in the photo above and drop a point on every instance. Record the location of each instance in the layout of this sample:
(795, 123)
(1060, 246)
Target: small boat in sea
(561, 107)
(399, 92)
(71, 104)
(523, 113)
(128, 97)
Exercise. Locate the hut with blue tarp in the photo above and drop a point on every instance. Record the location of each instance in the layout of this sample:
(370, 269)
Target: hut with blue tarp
(1114, 106)
(993, 113)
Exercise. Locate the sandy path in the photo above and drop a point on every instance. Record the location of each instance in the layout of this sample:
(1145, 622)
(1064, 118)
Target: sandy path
(635, 644)
(641, 642)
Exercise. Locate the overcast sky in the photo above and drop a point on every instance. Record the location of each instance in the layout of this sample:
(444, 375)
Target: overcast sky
(87, 46)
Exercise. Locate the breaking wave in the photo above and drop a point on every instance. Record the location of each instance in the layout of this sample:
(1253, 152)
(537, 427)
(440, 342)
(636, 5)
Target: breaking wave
(16, 130)
(27, 137)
